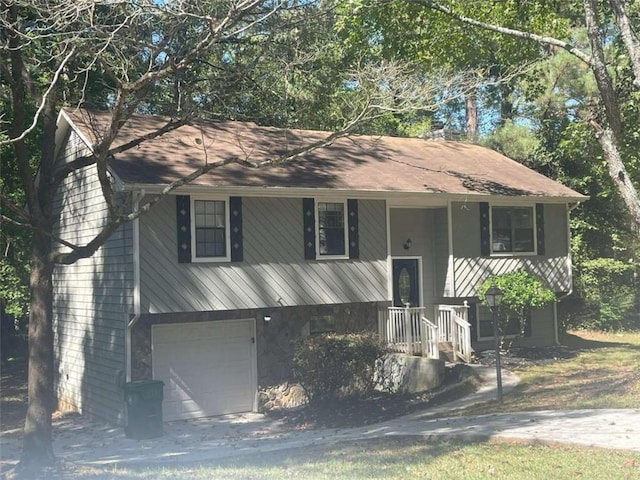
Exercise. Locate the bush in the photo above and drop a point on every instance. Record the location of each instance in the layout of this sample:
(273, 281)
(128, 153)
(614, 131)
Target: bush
(330, 366)
(522, 292)
(609, 289)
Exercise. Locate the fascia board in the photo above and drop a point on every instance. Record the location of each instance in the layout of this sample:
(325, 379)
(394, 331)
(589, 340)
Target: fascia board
(397, 198)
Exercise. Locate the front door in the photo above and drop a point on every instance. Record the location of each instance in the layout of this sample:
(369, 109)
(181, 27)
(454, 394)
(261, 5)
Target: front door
(406, 282)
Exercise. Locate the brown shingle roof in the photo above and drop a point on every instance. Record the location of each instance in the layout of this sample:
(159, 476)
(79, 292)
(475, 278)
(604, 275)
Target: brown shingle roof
(359, 162)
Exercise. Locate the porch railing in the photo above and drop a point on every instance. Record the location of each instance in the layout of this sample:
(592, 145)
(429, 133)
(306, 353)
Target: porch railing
(409, 331)
(454, 327)
(401, 331)
(429, 338)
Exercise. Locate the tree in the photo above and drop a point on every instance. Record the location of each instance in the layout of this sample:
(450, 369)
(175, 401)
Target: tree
(177, 58)
(113, 55)
(606, 120)
(400, 29)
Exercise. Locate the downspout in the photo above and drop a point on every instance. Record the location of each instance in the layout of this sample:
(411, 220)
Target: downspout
(137, 196)
(570, 270)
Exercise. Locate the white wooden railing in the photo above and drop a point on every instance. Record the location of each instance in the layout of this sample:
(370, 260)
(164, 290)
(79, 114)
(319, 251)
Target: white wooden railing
(408, 330)
(462, 339)
(454, 327)
(429, 339)
(401, 331)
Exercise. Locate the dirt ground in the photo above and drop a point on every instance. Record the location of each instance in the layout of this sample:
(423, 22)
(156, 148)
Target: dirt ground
(13, 402)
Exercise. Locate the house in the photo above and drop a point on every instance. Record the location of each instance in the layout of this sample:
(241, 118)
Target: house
(207, 290)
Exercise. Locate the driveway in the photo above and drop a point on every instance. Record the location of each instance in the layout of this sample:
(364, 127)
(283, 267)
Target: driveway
(82, 442)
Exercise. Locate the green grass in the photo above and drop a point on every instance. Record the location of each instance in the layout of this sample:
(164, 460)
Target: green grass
(605, 373)
(407, 459)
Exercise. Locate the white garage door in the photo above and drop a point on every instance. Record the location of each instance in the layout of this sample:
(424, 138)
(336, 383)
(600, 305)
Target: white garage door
(208, 368)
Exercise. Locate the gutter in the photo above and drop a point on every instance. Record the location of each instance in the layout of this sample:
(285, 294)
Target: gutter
(137, 196)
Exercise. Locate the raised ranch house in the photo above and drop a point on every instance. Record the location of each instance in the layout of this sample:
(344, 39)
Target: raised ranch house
(208, 289)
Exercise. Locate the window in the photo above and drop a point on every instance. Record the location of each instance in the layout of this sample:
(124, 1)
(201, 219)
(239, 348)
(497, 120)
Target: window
(210, 233)
(512, 329)
(332, 234)
(512, 230)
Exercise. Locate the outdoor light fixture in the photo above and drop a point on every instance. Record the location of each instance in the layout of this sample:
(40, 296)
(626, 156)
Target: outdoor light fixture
(266, 318)
(407, 244)
(493, 297)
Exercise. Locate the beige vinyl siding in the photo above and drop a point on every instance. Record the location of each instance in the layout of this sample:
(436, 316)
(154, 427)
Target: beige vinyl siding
(470, 268)
(273, 272)
(92, 301)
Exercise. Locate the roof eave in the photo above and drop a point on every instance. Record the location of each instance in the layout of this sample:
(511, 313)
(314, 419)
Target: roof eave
(298, 192)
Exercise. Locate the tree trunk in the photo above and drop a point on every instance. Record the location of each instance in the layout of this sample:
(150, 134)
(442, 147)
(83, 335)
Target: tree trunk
(619, 174)
(37, 443)
(506, 102)
(471, 106)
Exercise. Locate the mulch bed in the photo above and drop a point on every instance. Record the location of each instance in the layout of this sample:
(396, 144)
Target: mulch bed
(460, 380)
(526, 356)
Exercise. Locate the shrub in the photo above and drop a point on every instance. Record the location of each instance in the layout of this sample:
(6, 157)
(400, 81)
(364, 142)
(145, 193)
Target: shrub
(330, 366)
(522, 292)
(610, 292)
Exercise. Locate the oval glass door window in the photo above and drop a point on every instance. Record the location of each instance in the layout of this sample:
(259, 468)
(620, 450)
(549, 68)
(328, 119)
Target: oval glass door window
(404, 286)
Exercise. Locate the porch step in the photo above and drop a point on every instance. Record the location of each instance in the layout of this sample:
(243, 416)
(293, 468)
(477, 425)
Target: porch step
(446, 352)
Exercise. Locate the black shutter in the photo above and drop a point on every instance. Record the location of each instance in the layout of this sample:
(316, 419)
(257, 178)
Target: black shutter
(485, 247)
(309, 222)
(235, 226)
(183, 222)
(354, 244)
(540, 227)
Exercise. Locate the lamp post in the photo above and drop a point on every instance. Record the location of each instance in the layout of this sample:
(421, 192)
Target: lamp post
(493, 297)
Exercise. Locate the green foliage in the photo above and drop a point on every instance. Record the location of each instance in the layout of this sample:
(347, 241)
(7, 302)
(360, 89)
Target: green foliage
(522, 292)
(609, 288)
(330, 366)
(515, 141)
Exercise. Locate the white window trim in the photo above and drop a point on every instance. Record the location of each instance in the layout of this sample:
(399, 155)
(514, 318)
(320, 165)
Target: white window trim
(227, 231)
(532, 253)
(317, 202)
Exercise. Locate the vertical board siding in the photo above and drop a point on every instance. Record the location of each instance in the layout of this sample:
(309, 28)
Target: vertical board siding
(418, 225)
(92, 299)
(273, 271)
(441, 253)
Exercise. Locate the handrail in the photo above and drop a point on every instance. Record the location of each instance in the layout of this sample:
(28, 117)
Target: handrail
(429, 337)
(462, 338)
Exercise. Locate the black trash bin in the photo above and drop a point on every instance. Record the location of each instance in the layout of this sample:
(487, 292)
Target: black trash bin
(144, 409)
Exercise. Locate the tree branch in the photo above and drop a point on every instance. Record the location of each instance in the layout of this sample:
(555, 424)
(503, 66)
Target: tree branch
(572, 49)
(629, 38)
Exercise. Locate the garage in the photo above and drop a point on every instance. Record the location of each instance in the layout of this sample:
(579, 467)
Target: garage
(208, 368)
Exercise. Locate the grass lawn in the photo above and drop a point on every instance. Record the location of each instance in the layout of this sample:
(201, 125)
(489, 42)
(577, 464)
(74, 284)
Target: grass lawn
(604, 373)
(392, 458)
